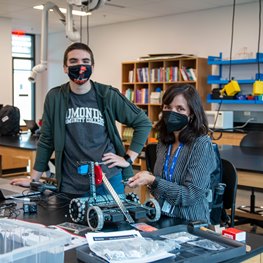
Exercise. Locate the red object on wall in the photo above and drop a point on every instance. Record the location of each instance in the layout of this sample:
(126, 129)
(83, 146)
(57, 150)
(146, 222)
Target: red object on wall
(18, 32)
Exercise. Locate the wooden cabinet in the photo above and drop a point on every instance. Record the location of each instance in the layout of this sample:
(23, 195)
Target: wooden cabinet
(143, 83)
(12, 166)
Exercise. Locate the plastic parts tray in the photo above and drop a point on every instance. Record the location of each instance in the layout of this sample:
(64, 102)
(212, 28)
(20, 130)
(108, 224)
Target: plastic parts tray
(22, 242)
(187, 253)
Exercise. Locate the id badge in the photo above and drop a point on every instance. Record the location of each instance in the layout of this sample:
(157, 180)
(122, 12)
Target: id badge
(166, 207)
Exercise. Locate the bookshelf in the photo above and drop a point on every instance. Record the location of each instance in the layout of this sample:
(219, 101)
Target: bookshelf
(144, 81)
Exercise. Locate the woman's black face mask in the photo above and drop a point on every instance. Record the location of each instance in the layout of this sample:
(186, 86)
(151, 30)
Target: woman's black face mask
(174, 121)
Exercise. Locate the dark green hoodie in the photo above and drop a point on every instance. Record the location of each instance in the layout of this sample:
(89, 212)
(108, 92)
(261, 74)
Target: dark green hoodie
(113, 106)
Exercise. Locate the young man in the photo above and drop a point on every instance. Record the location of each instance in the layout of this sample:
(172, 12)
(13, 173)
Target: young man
(79, 125)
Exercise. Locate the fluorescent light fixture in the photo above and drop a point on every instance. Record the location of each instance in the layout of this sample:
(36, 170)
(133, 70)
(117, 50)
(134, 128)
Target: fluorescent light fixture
(64, 11)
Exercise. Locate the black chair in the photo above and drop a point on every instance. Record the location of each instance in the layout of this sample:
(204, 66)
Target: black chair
(229, 177)
(150, 156)
(252, 139)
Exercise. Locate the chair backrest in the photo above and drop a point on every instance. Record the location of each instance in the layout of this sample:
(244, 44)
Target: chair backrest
(252, 139)
(150, 156)
(229, 177)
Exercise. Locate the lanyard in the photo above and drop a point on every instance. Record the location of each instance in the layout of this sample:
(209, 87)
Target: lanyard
(166, 164)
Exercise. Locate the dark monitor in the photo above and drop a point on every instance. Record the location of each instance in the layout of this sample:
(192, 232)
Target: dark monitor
(31, 125)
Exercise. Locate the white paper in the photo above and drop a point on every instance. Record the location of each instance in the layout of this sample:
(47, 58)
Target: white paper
(93, 237)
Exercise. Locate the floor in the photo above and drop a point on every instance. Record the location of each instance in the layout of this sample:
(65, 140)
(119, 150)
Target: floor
(243, 198)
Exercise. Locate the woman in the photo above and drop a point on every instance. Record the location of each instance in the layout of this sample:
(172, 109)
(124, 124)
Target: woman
(185, 157)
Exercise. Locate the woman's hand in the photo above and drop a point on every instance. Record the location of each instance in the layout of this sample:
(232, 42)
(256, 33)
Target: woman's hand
(25, 182)
(141, 178)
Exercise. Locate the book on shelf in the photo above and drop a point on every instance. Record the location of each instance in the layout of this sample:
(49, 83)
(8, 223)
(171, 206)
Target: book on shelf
(141, 96)
(142, 74)
(144, 95)
(184, 74)
(129, 94)
(155, 97)
(157, 74)
(190, 73)
(131, 76)
(127, 134)
(193, 73)
(171, 74)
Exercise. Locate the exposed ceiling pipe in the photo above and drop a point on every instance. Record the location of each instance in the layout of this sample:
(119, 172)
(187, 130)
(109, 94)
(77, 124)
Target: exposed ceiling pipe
(71, 33)
(44, 40)
(93, 4)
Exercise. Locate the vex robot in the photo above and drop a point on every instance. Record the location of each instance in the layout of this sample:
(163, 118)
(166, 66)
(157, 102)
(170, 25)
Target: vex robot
(95, 210)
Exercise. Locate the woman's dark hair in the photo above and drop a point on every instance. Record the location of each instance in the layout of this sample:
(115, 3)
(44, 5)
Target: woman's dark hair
(197, 125)
(80, 46)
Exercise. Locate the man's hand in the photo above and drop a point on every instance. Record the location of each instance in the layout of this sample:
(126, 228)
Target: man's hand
(25, 182)
(112, 160)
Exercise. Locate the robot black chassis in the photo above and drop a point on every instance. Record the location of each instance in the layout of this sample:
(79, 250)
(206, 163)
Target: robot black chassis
(97, 209)
(104, 209)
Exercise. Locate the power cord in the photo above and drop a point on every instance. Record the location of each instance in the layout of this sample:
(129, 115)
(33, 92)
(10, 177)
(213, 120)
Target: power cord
(232, 39)
(259, 36)
(227, 129)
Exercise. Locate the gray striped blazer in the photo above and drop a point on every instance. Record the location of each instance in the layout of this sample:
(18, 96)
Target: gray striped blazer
(188, 190)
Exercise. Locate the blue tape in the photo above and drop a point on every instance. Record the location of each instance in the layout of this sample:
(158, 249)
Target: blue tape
(83, 169)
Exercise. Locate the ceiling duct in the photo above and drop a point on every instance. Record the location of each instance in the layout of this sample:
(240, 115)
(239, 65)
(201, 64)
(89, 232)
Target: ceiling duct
(71, 33)
(93, 4)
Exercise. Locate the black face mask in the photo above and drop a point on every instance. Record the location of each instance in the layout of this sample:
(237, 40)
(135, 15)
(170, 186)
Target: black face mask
(174, 121)
(79, 73)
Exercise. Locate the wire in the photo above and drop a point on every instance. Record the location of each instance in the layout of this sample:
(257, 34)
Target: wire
(80, 26)
(213, 137)
(87, 30)
(245, 124)
(234, 128)
(218, 109)
(230, 67)
(259, 36)
(232, 38)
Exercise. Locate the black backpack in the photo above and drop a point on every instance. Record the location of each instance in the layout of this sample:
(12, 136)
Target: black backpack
(9, 120)
(217, 212)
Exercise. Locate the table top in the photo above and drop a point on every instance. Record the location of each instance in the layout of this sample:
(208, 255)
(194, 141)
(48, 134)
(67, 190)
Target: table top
(24, 141)
(243, 158)
(53, 210)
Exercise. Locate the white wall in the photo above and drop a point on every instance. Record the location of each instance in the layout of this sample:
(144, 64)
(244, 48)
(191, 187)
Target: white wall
(6, 62)
(201, 33)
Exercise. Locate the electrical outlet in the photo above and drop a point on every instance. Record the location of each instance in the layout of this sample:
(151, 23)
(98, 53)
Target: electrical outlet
(247, 113)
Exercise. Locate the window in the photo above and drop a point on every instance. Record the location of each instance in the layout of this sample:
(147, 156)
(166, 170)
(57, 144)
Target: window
(23, 54)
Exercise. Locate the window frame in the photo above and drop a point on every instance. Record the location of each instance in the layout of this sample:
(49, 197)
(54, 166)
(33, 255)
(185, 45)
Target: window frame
(33, 86)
